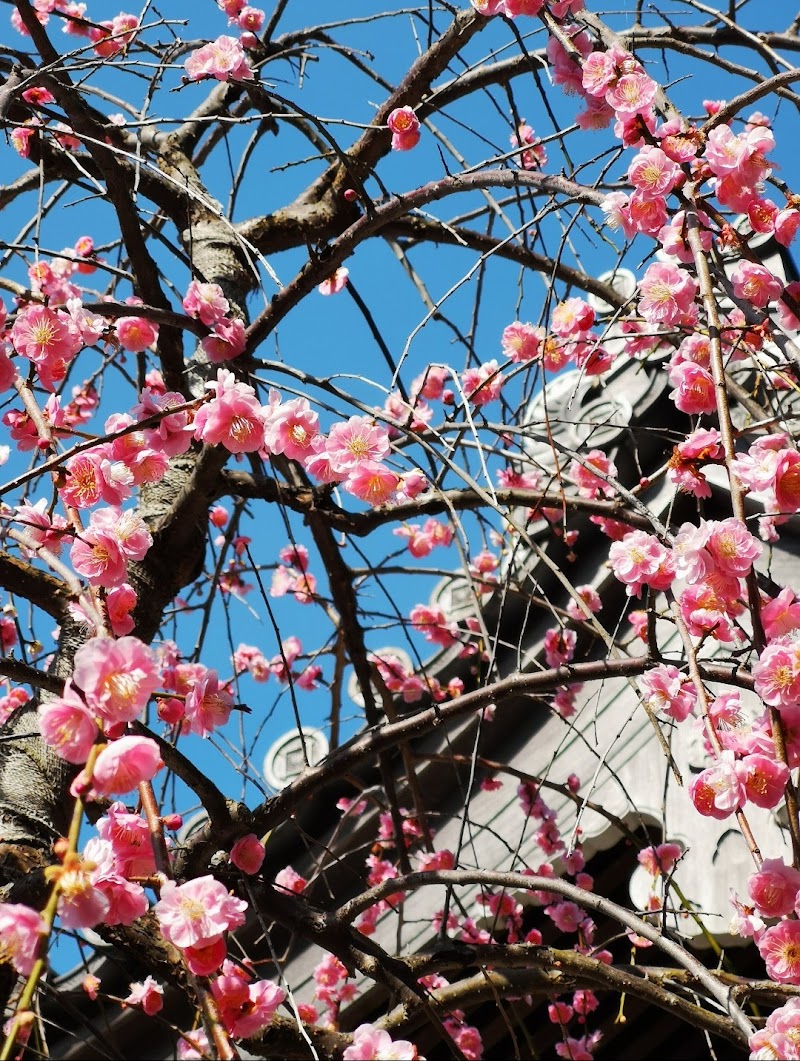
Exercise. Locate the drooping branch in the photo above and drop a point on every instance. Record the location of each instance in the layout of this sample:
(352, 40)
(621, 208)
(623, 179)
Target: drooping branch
(596, 903)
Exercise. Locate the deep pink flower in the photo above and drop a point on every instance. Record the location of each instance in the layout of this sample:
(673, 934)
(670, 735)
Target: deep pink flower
(781, 614)
(97, 556)
(120, 602)
(640, 559)
(776, 674)
(559, 646)
(173, 432)
(206, 958)
(80, 903)
(632, 94)
(42, 334)
(291, 429)
(147, 995)
(765, 780)
(571, 317)
(483, 384)
(534, 155)
(787, 480)
(774, 888)
(404, 126)
(653, 173)
(246, 1006)
(113, 35)
(247, 854)
(787, 314)
(488, 7)
(136, 334)
(432, 623)
(591, 473)
(358, 440)
(694, 388)
(779, 946)
(732, 547)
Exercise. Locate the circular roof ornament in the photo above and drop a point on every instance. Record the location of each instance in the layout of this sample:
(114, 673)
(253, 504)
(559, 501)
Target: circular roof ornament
(623, 281)
(389, 655)
(292, 753)
(580, 413)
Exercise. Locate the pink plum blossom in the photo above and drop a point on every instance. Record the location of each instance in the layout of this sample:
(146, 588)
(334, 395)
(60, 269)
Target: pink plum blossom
(291, 429)
(483, 384)
(233, 418)
(197, 912)
(335, 283)
(694, 388)
(520, 342)
(68, 726)
(774, 888)
(116, 677)
(667, 292)
(223, 59)
(779, 946)
(205, 302)
(125, 763)
(247, 854)
(765, 780)
(136, 334)
(432, 623)
(246, 1006)
(659, 859)
(372, 482)
(208, 704)
(404, 126)
(776, 674)
(719, 790)
(147, 995)
(371, 1043)
(665, 689)
(639, 560)
(355, 441)
(755, 283)
(591, 474)
(22, 929)
(534, 155)
(226, 341)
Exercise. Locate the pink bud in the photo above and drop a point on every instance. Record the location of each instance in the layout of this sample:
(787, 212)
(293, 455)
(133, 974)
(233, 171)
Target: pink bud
(247, 854)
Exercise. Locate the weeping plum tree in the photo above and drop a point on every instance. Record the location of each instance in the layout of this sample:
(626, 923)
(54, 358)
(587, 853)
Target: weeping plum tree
(283, 293)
